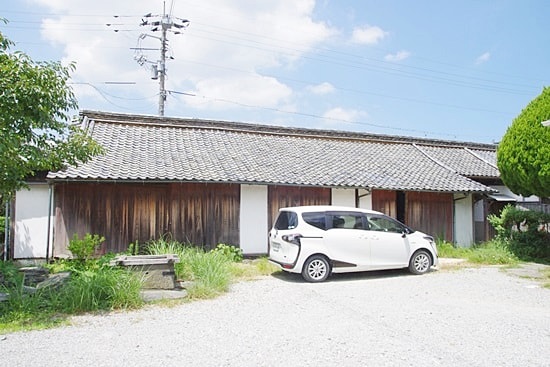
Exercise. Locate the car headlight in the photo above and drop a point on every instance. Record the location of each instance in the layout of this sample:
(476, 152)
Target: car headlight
(431, 240)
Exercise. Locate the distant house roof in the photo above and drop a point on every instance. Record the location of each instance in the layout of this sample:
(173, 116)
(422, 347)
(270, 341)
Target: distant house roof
(149, 148)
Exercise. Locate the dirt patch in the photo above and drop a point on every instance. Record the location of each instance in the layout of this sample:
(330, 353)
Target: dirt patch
(530, 270)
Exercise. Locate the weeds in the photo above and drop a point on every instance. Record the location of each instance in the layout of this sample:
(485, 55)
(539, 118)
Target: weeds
(94, 285)
(546, 278)
(209, 272)
(231, 252)
(106, 288)
(489, 253)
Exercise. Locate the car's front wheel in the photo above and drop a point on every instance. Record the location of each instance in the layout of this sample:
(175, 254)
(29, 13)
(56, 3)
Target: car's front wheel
(420, 262)
(316, 269)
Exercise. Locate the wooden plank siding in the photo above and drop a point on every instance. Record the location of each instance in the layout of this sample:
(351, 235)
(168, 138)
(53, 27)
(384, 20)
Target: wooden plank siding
(385, 201)
(200, 214)
(431, 213)
(428, 212)
(285, 196)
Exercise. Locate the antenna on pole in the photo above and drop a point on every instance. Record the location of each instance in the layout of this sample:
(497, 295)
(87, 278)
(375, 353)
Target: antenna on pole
(164, 23)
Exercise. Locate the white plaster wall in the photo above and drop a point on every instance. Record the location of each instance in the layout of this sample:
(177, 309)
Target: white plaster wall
(365, 199)
(31, 222)
(464, 220)
(343, 197)
(253, 219)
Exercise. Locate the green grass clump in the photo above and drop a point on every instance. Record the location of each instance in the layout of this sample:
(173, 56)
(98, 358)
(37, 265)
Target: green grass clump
(208, 272)
(446, 249)
(211, 274)
(185, 252)
(492, 253)
(107, 289)
(488, 253)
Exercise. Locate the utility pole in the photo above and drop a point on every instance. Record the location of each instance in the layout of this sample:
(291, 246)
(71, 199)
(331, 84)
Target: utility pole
(164, 23)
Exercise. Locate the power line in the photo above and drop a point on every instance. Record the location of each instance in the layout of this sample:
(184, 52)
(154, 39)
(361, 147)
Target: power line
(349, 60)
(327, 118)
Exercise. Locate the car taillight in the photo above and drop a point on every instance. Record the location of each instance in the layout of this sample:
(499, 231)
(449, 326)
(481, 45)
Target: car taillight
(292, 238)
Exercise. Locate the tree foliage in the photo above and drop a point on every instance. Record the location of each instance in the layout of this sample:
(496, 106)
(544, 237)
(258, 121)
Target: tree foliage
(35, 129)
(523, 155)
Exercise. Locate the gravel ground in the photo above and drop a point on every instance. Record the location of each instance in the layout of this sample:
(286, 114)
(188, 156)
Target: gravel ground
(467, 317)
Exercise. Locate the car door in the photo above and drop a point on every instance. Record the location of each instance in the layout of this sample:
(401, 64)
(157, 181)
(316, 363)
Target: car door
(347, 241)
(388, 242)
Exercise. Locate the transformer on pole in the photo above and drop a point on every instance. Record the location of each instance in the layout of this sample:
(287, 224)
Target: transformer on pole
(164, 23)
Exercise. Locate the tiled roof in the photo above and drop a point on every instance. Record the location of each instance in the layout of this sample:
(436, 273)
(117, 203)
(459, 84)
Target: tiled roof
(465, 161)
(141, 148)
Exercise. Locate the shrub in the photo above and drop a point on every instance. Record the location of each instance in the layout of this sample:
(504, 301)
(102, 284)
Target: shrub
(85, 248)
(524, 232)
(232, 253)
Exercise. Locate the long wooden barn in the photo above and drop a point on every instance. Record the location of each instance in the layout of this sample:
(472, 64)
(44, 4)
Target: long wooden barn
(207, 182)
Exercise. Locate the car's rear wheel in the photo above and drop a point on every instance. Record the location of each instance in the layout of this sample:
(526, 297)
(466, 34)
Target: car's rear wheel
(316, 269)
(420, 262)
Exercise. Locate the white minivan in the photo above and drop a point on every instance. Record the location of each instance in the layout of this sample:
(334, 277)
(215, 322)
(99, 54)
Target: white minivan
(319, 240)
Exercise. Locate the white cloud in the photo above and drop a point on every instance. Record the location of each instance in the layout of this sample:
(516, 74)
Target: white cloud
(222, 92)
(399, 56)
(221, 55)
(341, 114)
(368, 35)
(321, 89)
(483, 58)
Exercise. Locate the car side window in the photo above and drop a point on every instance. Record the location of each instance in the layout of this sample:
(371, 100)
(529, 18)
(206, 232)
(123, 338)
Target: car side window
(286, 220)
(385, 224)
(316, 219)
(348, 220)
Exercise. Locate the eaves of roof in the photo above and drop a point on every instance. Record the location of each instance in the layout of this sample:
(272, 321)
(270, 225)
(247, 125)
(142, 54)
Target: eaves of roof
(155, 149)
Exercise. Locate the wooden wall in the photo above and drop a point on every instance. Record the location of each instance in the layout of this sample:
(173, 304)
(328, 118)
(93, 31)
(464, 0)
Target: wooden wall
(285, 196)
(428, 212)
(201, 214)
(207, 214)
(431, 213)
(385, 202)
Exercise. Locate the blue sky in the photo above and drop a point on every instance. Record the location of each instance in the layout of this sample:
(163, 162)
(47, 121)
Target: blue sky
(437, 69)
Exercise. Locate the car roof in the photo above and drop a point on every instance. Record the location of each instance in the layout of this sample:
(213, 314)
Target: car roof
(325, 208)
